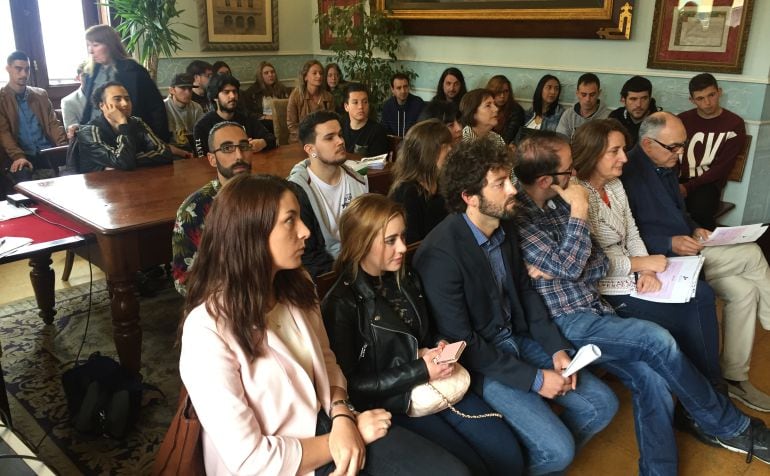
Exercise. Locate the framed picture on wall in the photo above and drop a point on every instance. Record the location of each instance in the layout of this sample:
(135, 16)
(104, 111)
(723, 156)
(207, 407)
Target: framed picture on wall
(590, 19)
(323, 7)
(700, 36)
(238, 25)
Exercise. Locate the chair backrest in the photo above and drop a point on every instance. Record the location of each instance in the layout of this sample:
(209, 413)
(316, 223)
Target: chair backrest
(736, 173)
(280, 126)
(56, 156)
(394, 142)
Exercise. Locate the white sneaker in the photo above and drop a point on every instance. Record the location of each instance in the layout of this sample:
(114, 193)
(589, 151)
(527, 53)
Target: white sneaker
(749, 395)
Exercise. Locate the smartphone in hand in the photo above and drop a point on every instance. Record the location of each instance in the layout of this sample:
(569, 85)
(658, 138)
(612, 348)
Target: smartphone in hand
(451, 353)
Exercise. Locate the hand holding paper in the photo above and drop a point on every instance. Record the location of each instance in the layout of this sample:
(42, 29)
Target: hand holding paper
(586, 355)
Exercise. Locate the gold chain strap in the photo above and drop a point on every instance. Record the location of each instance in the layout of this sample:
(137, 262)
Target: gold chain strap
(458, 412)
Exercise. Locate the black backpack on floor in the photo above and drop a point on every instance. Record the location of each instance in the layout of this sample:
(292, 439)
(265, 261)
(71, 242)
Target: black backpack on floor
(103, 397)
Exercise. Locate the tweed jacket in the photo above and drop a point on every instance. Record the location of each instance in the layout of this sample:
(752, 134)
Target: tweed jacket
(614, 228)
(40, 105)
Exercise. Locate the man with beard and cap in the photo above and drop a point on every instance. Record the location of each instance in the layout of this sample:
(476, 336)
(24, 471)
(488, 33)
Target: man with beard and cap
(230, 152)
(478, 291)
(325, 187)
(224, 91)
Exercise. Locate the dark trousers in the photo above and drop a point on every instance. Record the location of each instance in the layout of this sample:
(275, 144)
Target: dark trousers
(25, 174)
(485, 445)
(399, 452)
(703, 203)
(693, 325)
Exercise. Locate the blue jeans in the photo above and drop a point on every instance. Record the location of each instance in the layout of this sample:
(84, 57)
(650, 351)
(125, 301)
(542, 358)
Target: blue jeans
(550, 440)
(693, 324)
(485, 445)
(648, 361)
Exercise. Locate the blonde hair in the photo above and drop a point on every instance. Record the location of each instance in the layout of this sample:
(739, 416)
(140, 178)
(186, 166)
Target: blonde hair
(363, 221)
(301, 84)
(109, 37)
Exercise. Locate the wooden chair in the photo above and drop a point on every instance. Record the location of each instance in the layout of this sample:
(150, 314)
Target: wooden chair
(736, 175)
(280, 126)
(394, 142)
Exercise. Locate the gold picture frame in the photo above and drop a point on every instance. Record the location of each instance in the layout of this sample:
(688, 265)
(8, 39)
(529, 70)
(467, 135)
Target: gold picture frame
(238, 25)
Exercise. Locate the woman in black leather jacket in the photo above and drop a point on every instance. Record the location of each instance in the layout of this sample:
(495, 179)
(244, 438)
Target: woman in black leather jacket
(378, 327)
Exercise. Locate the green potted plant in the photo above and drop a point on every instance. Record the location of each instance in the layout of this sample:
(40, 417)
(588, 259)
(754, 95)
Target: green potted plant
(146, 26)
(365, 43)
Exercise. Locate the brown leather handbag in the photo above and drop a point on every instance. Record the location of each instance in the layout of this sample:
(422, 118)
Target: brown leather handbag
(181, 452)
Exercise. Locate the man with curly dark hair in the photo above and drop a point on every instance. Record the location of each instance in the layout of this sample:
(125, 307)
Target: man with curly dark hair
(478, 291)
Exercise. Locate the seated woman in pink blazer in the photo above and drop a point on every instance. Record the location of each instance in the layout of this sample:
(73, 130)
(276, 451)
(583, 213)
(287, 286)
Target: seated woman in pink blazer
(256, 360)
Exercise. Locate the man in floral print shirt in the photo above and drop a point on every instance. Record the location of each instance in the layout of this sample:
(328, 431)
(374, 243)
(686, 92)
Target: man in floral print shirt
(230, 153)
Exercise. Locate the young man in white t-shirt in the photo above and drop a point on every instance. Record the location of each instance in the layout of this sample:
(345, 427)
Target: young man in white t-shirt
(325, 187)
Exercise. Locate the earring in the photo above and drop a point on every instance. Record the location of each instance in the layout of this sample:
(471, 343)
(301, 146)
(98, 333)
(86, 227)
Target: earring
(314, 155)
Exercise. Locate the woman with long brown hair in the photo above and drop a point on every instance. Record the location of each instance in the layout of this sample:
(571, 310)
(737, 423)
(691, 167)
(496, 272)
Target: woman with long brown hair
(258, 98)
(415, 177)
(310, 95)
(380, 330)
(510, 115)
(255, 358)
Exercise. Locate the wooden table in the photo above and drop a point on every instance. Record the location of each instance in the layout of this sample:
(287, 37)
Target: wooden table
(47, 237)
(132, 215)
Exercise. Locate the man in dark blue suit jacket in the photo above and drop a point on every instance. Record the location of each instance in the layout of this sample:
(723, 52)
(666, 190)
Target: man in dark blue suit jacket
(738, 273)
(479, 291)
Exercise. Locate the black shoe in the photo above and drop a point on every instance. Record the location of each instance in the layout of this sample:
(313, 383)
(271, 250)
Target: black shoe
(684, 422)
(754, 442)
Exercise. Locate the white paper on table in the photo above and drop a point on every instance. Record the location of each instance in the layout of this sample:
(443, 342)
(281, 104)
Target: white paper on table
(678, 282)
(585, 355)
(375, 163)
(10, 243)
(733, 235)
(8, 211)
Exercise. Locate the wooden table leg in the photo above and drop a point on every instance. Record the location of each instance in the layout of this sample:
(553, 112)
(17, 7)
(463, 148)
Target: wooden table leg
(121, 262)
(42, 278)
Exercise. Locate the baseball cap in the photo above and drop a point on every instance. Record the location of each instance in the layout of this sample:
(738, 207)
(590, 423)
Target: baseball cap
(183, 80)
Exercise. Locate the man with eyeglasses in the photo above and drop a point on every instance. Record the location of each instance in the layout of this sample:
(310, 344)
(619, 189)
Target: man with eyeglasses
(717, 137)
(325, 187)
(230, 153)
(738, 274)
(566, 267)
(224, 91)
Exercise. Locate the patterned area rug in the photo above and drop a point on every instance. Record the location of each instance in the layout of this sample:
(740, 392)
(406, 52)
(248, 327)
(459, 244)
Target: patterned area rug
(35, 356)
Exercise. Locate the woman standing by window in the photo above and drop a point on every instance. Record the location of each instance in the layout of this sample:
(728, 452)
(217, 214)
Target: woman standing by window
(110, 62)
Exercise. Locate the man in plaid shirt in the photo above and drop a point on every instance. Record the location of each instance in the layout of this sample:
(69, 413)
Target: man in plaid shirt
(565, 269)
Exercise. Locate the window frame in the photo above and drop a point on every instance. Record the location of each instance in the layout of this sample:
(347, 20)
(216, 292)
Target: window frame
(28, 34)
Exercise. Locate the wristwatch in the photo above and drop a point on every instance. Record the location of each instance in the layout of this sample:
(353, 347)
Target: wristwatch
(346, 403)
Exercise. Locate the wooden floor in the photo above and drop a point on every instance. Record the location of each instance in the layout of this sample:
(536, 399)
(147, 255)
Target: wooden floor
(613, 452)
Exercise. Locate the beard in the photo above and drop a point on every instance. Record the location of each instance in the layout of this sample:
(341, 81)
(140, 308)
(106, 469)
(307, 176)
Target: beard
(497, 211)
(229, 172)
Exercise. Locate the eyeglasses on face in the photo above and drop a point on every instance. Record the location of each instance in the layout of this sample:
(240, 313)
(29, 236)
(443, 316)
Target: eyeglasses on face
(670, 147)
(229, 148)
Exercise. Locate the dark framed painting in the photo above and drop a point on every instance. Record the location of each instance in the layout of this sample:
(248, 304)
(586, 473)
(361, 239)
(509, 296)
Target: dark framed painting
(693, 36)
(326, 37)
(592, 19)
(238, 25)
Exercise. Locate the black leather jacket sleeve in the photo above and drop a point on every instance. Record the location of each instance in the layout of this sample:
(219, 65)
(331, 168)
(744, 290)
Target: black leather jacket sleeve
(134, 145)
(381, 371)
